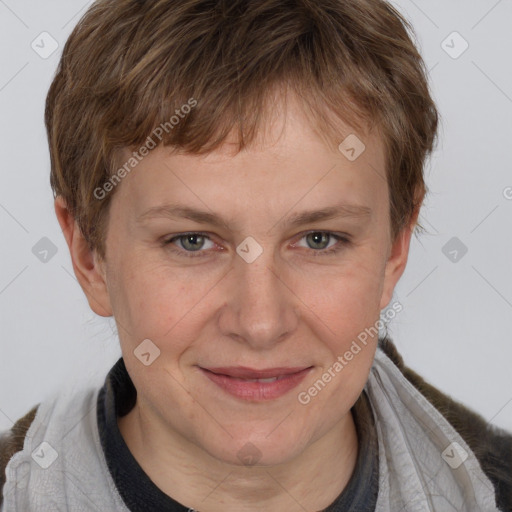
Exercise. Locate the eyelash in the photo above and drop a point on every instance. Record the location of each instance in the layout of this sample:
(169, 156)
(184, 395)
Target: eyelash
(343, 241)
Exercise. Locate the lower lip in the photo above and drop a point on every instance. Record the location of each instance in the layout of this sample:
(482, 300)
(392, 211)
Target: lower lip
(257, 391)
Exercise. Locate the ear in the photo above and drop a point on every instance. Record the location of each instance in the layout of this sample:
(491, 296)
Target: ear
(398, 255)
(88, 268)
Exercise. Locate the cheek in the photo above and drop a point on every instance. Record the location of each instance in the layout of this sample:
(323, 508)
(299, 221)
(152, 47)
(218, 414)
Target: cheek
(349, 307)
(346, 310)
(350, 297)
(144, 300)
(158, 302)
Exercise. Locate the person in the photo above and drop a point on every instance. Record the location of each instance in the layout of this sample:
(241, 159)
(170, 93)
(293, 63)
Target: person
(238, 183)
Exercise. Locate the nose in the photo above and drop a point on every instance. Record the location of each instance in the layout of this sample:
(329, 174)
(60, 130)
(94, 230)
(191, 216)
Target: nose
(261, 309)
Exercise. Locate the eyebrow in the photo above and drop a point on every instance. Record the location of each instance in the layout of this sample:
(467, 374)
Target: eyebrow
(297, 219)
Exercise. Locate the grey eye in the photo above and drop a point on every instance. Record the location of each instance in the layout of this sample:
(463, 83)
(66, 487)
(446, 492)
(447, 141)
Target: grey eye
(318, 240)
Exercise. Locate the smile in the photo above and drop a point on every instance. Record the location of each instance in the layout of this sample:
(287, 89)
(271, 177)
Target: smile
(256, 385)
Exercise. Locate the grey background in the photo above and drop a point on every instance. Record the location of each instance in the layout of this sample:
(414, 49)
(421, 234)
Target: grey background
(455, 326)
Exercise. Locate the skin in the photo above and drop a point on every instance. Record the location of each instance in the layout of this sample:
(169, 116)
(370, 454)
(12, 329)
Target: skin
(293, 306)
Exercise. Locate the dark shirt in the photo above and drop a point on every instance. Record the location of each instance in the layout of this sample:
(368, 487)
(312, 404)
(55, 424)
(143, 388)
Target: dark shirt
(117, 397)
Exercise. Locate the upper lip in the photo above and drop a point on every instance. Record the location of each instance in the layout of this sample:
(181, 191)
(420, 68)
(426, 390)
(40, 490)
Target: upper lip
(243, 372)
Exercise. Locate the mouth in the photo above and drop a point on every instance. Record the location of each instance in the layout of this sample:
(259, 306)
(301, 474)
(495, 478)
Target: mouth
(256, 385)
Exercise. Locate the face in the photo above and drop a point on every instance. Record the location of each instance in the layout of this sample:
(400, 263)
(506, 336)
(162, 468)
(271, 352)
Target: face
(241, 267)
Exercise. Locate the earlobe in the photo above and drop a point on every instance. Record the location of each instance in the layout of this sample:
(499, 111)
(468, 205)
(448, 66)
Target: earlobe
(87, 267)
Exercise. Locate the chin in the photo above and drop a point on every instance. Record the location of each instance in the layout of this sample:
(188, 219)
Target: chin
(252, 450)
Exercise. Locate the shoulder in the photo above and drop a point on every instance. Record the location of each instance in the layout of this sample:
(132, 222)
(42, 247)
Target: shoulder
(74, 404)
(12, 441)
(491, 445)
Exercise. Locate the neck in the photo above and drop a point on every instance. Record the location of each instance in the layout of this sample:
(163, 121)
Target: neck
(185, 472)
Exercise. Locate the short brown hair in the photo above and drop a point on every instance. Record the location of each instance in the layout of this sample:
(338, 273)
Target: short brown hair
(128, 65)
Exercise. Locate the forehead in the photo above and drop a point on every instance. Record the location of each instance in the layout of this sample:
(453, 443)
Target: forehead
(288, 164)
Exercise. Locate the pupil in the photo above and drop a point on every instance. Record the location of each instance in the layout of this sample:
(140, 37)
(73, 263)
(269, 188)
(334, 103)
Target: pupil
(191, 242)
(319, 238)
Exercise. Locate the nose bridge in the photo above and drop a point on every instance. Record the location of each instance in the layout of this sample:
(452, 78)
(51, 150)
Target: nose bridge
(261, 309)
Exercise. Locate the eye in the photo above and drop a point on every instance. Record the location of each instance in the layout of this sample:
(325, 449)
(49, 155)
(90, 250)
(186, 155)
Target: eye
(189, 243)
(324, 242)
